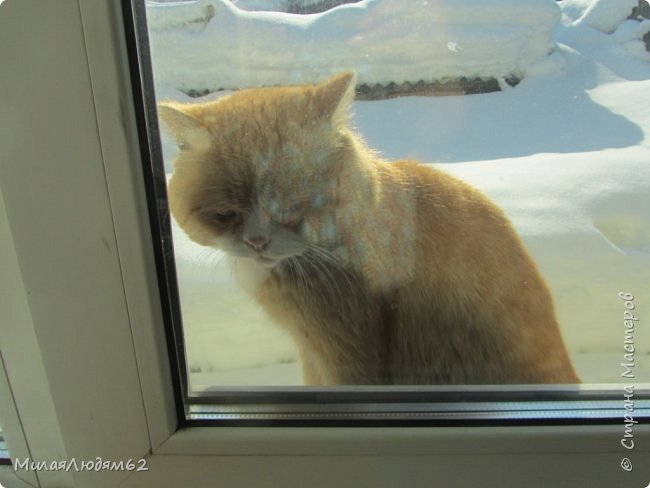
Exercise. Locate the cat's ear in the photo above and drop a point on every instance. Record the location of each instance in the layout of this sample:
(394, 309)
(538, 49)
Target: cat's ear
(189, 132)
(334, 96)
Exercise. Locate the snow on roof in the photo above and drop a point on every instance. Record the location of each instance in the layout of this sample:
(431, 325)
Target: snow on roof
(212, 44)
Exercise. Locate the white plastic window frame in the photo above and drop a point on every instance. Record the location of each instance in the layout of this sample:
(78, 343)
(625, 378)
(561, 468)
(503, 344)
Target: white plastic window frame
(85, 373)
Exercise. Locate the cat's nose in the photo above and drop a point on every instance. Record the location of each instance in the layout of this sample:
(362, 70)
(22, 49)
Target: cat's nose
(258, 243)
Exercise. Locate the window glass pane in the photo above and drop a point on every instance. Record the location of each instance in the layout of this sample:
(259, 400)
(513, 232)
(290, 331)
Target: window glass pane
(303, 257)
(4, 453)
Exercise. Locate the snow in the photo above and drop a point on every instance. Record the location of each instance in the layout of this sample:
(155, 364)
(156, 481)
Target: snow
(382, 40)
(566, 153)
(604, 15)
(628, 35)
(268, 5)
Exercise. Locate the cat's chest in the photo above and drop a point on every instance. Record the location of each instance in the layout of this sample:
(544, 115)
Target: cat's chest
(248, 274)
(280, 288)
(304, 289)
(276, 293)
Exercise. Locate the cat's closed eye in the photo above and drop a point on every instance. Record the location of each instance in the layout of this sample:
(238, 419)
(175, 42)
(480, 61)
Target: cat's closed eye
(293, 225)
(227, 217)
(293, 216)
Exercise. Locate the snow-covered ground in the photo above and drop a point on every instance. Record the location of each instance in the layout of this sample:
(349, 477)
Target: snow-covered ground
(566, 153)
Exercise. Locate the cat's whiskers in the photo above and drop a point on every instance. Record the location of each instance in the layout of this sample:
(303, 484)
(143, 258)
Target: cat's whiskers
(330, 269)
(329, 258)
(324, 272)
(214, 257)
(211, 259)
(298, 272)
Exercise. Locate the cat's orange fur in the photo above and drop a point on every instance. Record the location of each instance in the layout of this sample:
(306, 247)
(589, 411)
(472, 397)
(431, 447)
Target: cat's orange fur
(383, 273)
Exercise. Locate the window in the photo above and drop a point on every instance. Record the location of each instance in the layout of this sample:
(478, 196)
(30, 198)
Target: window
(4, 454)
(529, 128)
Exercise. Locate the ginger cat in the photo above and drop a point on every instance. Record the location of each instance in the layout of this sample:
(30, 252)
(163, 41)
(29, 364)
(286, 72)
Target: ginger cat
(383, 273)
